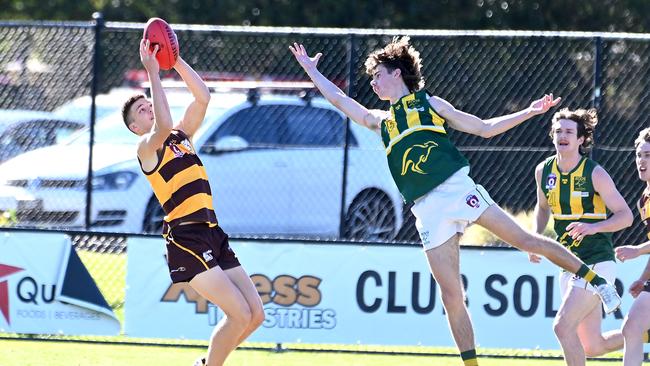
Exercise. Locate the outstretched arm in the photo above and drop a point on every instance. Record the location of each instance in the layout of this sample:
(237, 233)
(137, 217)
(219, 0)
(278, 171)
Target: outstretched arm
(357, 112)
(469, 123)
(162, 126)
(195, 112)
(542, 211)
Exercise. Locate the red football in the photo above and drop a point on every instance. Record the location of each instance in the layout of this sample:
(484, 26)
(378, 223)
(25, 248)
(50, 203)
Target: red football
(158, 32)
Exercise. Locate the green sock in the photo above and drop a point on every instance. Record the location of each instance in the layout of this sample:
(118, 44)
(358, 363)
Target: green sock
(469, 357)
(590, 276)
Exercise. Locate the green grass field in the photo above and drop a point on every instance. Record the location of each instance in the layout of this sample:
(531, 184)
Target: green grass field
(30, 352)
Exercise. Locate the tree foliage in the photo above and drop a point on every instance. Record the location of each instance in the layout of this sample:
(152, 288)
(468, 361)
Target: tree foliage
(577, 15)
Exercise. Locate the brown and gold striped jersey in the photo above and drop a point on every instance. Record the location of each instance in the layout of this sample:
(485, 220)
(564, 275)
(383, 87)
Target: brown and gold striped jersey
(180, 183)
(644, 210)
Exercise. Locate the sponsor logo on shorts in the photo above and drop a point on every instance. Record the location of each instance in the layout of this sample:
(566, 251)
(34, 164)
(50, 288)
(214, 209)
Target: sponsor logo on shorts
(207, 255)
(424, 236)
(472, 201)
(551, 181)
(179, 269)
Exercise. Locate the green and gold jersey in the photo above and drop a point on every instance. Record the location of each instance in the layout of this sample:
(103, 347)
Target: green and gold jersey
(572, 198)
(419, 152)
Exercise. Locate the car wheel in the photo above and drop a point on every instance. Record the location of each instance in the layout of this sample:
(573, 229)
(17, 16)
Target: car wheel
(370, 217)
(153, 217)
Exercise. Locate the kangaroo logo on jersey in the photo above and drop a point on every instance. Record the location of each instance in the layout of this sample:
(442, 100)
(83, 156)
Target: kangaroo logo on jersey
(551, 181)
(579, 183)
(416, 155)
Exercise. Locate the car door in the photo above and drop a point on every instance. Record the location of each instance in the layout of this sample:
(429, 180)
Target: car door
(315, 137)
(246, 164)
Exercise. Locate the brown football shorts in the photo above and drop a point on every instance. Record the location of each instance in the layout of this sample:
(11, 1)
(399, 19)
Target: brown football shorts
(195, 248)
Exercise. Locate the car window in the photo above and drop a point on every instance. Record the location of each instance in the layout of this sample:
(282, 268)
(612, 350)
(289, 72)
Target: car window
(311, 126)
(22, 137)
(259, 126)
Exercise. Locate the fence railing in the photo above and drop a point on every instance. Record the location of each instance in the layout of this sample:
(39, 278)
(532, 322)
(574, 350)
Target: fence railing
(301, 170)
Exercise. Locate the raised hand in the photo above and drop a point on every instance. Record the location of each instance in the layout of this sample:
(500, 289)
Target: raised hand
(148, 57)
(303, 58)
(543, 104)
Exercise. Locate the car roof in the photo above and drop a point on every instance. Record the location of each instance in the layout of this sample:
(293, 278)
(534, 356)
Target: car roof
(10, 117)
(17, 115)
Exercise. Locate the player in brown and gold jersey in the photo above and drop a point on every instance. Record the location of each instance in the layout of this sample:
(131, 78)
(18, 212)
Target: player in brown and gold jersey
(197, 249)
(637, 321)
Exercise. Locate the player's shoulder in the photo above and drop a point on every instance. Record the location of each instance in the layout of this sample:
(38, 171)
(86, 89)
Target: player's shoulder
(547, 162)
(379, 113)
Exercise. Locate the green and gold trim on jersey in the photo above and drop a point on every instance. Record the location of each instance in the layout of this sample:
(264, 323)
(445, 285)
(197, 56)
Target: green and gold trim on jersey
(419, 152)
(571, 195)
(408, 115)
(572, 198)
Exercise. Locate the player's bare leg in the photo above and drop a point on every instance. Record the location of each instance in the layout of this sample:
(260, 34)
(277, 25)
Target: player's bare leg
(215, 286)
(595, 342)
(240, 278)
(636, 323)
(445, 267)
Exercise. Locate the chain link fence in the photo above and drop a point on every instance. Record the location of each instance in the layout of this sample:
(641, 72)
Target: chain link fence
(301, 171)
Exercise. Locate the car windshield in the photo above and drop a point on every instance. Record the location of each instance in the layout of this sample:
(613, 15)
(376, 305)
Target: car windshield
(111, 129)
(77, 112)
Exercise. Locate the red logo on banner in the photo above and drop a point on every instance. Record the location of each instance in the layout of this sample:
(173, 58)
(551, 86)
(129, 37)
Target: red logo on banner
(6, 270)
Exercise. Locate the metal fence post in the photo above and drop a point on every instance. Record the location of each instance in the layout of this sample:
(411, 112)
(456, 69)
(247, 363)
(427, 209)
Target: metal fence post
(598, 80)
(99, 25)
(351, 55)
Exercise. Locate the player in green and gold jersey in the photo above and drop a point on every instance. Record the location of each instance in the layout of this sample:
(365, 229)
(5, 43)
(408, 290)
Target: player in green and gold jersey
(637, 321)
(431, 172)
(587, 208)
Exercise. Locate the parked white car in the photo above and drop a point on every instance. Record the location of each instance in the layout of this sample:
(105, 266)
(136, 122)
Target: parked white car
(25, 130)
(78, 109)
(275, 165)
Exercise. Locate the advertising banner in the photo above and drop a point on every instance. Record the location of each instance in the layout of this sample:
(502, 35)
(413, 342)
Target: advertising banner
(354, 294)
(45, 288)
